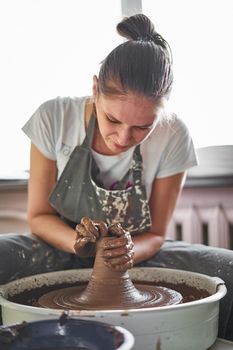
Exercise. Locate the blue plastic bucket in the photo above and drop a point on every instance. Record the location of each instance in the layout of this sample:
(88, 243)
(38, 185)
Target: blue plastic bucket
(65, 334)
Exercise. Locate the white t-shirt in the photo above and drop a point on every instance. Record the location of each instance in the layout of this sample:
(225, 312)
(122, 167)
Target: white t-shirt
(58, 126)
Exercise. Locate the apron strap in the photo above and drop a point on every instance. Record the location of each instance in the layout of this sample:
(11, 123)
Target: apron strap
(90, 132)
(137, 166)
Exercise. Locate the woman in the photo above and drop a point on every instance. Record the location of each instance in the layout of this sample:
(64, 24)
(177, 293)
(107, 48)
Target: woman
(117, 156)
(123, 139)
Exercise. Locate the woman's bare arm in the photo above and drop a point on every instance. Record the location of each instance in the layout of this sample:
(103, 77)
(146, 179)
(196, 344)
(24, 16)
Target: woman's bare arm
(43, 219)
(163, 199)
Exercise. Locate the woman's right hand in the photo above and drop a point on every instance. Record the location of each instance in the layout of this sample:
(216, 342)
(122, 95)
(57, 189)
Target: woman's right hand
(88, 232)
(118, 248)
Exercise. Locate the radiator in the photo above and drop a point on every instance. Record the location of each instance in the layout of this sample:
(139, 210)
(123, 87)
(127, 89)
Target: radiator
(204, 215)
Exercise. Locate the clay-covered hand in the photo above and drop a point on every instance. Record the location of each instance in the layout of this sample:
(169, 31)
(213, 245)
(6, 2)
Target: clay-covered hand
(118, 249)
(88, 231)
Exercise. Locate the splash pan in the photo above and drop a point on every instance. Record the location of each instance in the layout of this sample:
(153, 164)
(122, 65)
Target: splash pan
(65, 334)
(192, 325)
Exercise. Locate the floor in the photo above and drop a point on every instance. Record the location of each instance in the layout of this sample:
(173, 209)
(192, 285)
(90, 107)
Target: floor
(222, 344)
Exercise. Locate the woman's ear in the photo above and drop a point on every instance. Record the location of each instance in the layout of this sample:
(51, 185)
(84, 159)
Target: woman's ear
(95, 86)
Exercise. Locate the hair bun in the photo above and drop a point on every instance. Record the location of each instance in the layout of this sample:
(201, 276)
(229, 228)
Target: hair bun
(140, 28)
(135, 27)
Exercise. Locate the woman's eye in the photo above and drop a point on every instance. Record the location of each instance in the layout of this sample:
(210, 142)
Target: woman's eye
(139, 128)
(112, 120)
(142, 128)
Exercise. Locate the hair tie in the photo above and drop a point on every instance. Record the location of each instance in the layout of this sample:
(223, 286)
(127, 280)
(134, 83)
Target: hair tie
(146, 37)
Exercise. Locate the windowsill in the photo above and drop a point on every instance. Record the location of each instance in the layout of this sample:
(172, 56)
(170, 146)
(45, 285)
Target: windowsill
(209, 181)
(191, 182)
(14, 180)
(12, 185)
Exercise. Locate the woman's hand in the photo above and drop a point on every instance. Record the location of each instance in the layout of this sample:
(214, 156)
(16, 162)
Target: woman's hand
(118, 249)
(88, 231)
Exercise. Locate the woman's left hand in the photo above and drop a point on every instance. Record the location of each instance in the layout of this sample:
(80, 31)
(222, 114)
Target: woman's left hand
(118, 249)
(88, 232)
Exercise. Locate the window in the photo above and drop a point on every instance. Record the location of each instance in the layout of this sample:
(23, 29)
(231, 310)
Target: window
(49, 48)
(200, 35)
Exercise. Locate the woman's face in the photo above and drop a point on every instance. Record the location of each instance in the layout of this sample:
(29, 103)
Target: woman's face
(125, 121)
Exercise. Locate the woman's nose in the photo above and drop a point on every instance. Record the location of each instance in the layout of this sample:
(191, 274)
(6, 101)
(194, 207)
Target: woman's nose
(124, 135)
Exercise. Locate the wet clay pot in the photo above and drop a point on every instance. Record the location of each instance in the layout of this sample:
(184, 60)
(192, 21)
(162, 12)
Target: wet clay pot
(192, 325)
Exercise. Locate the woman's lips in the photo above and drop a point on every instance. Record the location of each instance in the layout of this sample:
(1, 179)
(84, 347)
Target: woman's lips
(121, 147)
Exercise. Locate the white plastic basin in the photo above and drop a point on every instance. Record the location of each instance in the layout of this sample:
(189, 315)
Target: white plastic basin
(192, 325)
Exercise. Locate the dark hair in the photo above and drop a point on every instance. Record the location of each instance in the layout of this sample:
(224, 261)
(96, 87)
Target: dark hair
(142, 64)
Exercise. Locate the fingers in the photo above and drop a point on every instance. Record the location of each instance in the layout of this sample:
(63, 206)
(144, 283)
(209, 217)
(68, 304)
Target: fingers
(118, 252)
(89, 226)
(118, 242)
(102, 228)
(84, 235)
(121, 263)
(80, 243)
(88, 231)
(123, 267)
(116, 230)
(87, 235)
(96, 228)
(92, 228)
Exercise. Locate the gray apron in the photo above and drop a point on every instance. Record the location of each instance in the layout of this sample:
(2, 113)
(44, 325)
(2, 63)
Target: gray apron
(79, 192)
